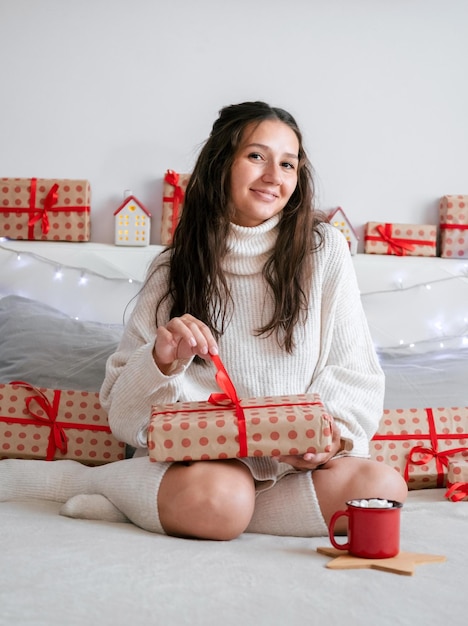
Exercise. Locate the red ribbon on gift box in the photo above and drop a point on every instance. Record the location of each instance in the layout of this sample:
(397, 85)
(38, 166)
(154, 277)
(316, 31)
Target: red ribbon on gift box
(37, 214)
(226, 384)
(457, 491)
(428, 453)
(441, 457)
(57, 437)
(172, 178)
(396, 245)
(454, 226)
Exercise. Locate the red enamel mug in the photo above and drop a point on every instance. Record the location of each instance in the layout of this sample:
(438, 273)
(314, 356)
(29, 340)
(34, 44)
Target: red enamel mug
(373, 528)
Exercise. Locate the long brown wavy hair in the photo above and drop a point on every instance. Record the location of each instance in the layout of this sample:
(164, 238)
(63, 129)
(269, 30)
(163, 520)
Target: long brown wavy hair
(197, 284)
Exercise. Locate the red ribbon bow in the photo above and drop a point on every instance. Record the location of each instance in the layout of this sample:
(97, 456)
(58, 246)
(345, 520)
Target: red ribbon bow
(37, 214)
(441, 457)
(57, 436)
(457, 492)
(396, 245)
(226, 384)
(172, 178)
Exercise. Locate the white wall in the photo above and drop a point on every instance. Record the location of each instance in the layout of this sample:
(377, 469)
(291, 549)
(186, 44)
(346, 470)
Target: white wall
(117, 91)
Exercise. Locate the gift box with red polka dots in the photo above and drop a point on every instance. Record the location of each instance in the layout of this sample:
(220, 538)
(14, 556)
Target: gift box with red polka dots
(51, 424)
(420, 443)
(45, 209)
(400, 239)
(174, 187)
(457, 480)
(453, 213)
(268, 426)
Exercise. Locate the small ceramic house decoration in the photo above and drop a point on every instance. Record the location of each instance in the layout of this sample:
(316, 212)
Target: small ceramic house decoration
(132, 222)
(338, 219)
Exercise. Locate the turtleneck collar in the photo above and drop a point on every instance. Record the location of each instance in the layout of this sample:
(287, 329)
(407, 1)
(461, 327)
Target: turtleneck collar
(249, 247)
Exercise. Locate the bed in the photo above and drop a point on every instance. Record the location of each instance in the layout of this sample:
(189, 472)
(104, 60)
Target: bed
(62, 307)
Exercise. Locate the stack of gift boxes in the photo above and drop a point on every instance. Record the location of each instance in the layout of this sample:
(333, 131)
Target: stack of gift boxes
(449, 239)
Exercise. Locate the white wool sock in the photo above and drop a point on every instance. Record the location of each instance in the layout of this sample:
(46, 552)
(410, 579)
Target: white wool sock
(45, 480)
(92, 506)
(289, 508)
(131, 486)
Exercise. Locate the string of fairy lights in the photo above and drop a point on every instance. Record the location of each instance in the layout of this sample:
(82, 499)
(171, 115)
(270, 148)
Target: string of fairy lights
(441, 333)
(59, 268)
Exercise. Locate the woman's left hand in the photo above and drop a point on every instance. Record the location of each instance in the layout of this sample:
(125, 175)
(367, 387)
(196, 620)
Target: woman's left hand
(310, 461)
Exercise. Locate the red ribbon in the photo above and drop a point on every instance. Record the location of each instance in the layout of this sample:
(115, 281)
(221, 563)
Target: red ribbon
(37, 214)
(457, 491)
(456, 226)
(226, 384)
(396, 245)
(441, 457)
(172, 178)
(57, 437)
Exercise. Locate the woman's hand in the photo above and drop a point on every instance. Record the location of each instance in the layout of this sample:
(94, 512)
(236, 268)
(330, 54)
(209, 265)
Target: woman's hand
(182, 338)
(309, 461)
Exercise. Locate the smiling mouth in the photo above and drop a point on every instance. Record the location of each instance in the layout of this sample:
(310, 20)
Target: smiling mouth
(267, 195)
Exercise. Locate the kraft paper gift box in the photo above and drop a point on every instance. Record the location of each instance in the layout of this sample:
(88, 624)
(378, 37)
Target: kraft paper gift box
(453, 215)
(419, 443)
(457, 480)
(50, 424)
(400, 239)
(45, 209)
(174, 187)
(225, 427)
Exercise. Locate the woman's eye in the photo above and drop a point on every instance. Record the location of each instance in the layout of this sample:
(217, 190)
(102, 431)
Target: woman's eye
(288, 166)
(256, 156)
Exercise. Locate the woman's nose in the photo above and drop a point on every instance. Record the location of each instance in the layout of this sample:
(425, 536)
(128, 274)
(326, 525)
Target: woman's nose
(272, 174)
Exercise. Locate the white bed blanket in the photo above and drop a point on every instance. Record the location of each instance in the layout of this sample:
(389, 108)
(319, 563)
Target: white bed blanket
(57, 571)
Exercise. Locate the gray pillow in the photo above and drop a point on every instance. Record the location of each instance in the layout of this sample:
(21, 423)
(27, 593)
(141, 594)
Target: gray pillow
(46, 348)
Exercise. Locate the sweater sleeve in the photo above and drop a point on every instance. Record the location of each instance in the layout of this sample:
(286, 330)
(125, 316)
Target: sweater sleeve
(348, 376)
(133, 382)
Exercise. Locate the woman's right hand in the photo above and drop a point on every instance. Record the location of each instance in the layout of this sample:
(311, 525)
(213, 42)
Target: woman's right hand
(182, 338)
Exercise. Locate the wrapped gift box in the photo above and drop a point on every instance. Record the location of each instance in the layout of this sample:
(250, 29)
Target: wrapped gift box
(186, 431)
(457, 480)
(400, 239)
(174, 187)
(45, 209)
(419, 443)
(453, 214)
(39, 423)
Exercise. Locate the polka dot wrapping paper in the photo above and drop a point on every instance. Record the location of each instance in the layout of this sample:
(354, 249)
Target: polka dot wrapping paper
(174, 187)
(45, 209)
(457, 480)
(274, 425)
(50, 424)
(453, 214)
(420, 443)
(400, 239)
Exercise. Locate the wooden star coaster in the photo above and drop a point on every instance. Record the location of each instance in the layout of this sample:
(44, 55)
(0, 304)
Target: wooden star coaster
(404, 563)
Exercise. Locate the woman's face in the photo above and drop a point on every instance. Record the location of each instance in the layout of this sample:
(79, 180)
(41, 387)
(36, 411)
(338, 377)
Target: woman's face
(264, 172)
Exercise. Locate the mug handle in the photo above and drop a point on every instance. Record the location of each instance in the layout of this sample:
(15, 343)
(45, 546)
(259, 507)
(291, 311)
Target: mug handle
(331, 529)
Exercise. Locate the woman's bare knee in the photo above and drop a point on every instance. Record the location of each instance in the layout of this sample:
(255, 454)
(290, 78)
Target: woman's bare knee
(206, 500)
(352, 478)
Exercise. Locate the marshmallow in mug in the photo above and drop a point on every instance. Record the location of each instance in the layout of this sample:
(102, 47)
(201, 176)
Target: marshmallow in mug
(372, 503)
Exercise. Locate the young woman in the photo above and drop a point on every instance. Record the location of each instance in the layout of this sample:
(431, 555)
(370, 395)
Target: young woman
(254, 275)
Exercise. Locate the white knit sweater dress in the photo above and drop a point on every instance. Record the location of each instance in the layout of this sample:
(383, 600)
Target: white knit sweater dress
(334, 354)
